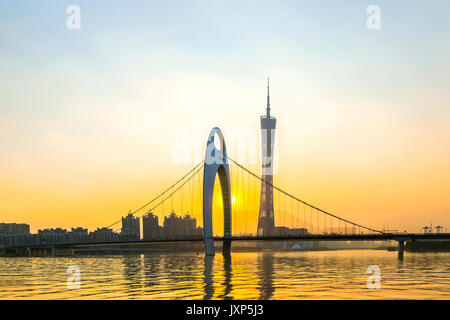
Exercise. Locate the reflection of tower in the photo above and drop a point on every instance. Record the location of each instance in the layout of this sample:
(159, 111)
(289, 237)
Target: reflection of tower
(208, 278)
(266, 220)
(227, 268)
(266, 274)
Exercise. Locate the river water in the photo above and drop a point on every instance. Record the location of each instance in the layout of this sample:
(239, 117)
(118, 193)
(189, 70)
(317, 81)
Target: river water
(293, 275)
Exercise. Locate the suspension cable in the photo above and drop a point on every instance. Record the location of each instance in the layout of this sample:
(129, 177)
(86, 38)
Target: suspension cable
(304, 202)
(170, 195)
(159, 196)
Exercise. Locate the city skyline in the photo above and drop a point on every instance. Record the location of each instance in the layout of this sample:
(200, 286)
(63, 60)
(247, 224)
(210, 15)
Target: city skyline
(217, 197)
(93, 136)
(224, 150)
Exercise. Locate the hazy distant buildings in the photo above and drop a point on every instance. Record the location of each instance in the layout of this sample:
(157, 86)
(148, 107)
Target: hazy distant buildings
(131, 229)
(285, 231)
(174, 226)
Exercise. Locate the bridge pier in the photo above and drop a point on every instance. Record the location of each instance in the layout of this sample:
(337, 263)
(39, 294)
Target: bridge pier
(401, 245)
(226, 247)
(401, 249)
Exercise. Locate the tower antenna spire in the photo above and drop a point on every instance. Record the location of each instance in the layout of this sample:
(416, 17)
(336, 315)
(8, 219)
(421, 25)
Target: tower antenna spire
(268, 98)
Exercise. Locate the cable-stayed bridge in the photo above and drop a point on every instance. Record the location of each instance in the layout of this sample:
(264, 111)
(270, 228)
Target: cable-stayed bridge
(222, 187)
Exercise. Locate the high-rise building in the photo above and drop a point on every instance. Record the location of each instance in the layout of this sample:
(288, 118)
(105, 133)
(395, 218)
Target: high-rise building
(14, 228)
(78, 235)
(103, 234)
(16, 233)
(150, 226)
(175, 226)
(266, 220)
(172, 226)
(53, 235)
(131, 228)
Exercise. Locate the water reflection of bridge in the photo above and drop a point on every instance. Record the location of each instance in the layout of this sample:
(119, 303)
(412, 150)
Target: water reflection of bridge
(67, 248)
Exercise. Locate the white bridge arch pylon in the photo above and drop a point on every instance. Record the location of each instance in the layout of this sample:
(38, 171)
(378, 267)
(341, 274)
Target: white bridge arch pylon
(216, 162)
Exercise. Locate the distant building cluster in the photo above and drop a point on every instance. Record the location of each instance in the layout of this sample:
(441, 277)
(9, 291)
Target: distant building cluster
(14, 228)
(19, 236)
(285, 231)
(174, 226)
(14, 233)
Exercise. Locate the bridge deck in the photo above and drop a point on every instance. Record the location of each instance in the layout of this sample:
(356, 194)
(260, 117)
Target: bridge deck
(331, 237)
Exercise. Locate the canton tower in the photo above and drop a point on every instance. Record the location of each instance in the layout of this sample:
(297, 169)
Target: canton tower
(266, 220)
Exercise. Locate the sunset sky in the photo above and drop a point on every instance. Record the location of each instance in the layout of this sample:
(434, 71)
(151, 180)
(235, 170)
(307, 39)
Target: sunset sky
(90, 119)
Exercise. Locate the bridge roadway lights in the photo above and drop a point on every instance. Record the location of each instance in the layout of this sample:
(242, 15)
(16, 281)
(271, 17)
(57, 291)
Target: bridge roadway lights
(62, 251)
(44, 252)
(216, 163)
(32, 252)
